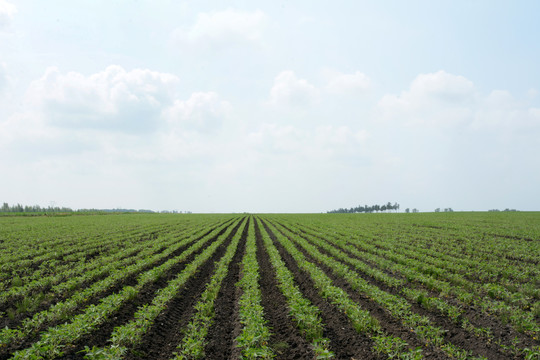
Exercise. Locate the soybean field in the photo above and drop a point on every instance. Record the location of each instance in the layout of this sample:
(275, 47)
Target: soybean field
(270, 286)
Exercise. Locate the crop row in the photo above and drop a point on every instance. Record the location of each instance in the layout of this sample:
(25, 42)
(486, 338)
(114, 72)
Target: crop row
(56, 338)
(407, 276)
(162, 288)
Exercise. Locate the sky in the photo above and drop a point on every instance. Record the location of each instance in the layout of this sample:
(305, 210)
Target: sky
(270, 106)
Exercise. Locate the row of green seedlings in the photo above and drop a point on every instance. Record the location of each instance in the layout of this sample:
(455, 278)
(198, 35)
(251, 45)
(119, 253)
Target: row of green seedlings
(482, 258)
(466, 292)
(463, 251)
(443, 253)
(33, 293)
(22, 272)
(419, 296)
(396, 306)
(498, 284)
(18, 260)
(194, 341)
(255, 334)
(498, 244)
(63, 310)
(520, 321)
(61, 262)
(100, 266)
(55, 339)
(413, 268)
(306, 315)
(32, 297)
(478, 268)
(365, 265)
(361, 320)
(22, 248)
(130, 334)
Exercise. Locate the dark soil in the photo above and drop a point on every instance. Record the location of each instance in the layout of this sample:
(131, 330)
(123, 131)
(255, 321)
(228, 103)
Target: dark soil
(51, 299)
(220, 339)
(285, 340)
(455, 333)
(389, 324)
(100, 336)
(345, 342)
(162, 339)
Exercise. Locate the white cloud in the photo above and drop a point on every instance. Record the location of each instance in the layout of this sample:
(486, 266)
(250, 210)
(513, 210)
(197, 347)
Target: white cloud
(340, 83)
(443, 101)
(131, 118)
(289, 90)
(435, 99)
(7, 11)
(112, 99)
(203, 111)
(222, 28)
(443, 86)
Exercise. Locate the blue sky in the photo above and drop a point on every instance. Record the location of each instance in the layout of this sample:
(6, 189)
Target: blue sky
(270, 106)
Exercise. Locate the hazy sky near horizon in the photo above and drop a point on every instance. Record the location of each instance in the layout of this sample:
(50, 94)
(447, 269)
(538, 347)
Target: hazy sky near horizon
(296, 106)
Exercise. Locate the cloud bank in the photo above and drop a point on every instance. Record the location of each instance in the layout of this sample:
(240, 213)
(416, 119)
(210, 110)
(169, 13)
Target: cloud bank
(113, 99)
(132, 124)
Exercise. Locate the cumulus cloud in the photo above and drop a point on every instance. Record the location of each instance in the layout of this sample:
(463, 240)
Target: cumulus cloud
(111, 99)
(223, 28)
(437, 99)
(124, 116)
(203, 111)
(340, 83)
(289, 90)
(442, 101)
(7, 11)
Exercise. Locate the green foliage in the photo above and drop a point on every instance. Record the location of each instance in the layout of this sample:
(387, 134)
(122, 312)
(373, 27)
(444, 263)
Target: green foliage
(450, 265)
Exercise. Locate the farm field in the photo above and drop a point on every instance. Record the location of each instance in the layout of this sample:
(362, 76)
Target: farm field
(283, 286)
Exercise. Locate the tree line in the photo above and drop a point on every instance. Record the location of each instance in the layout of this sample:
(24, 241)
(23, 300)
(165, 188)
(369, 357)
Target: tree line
(366, 209)
(18, 208)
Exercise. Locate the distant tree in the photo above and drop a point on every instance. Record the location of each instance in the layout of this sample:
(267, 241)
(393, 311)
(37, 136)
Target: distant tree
(415, 210)
(35, 208)
(365, 209)
(438, 210)
(407, 210)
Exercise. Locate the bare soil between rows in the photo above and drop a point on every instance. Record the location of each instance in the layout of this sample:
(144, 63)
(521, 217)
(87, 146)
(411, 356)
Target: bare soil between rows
(166, 334)
(285, 338)
(503, 333)
(162, 339)
(100, 336)
(345, 342)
